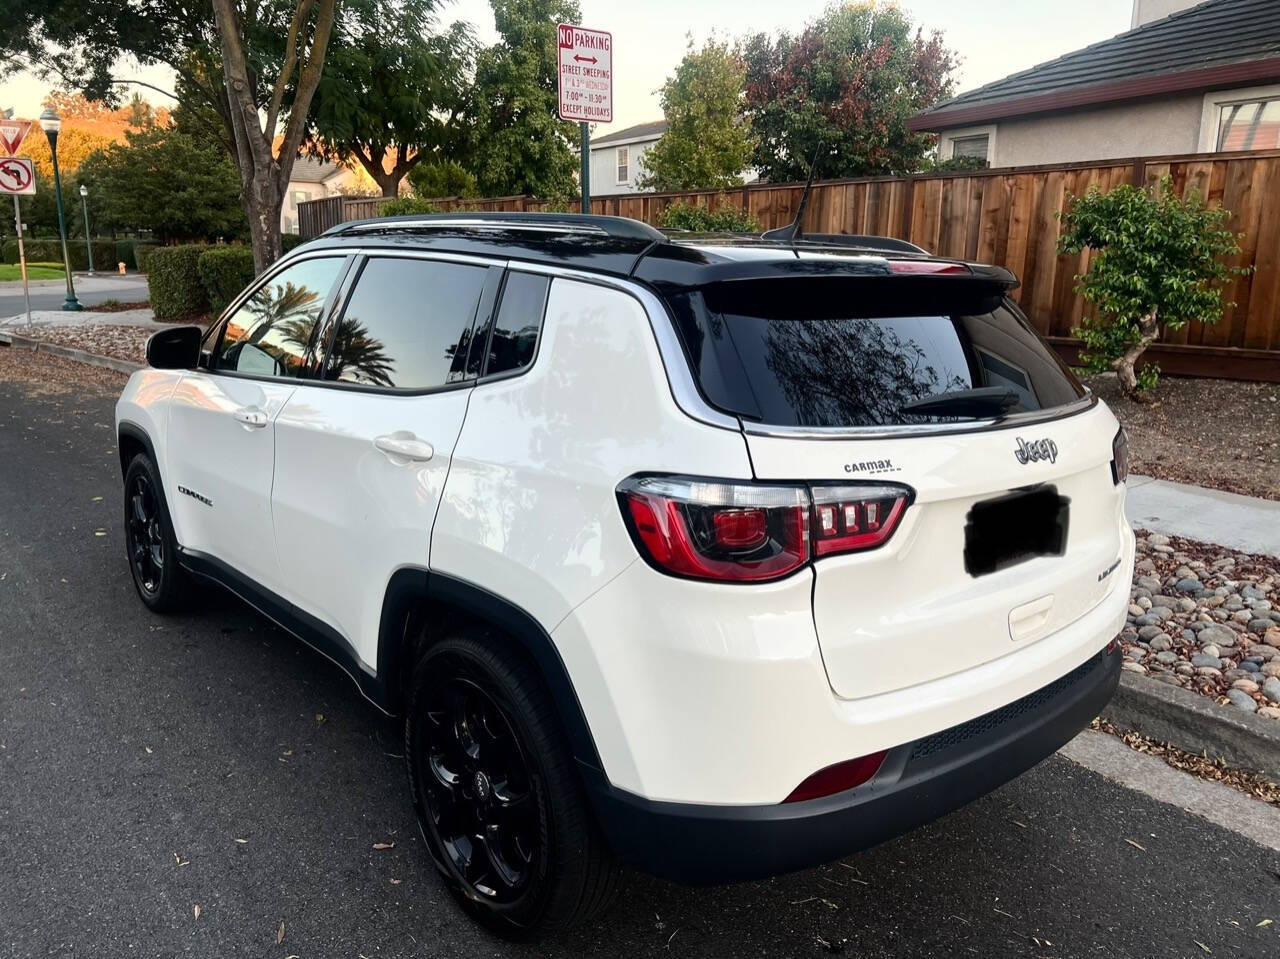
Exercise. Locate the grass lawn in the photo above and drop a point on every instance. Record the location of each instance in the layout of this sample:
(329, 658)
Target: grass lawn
(35, 271)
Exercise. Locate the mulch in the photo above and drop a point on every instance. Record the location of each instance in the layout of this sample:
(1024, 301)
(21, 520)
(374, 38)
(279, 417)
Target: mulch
(103, 339)
(1223, 434)
(43, 374)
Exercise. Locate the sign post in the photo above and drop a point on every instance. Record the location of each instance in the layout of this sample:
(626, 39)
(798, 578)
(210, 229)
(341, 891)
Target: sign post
(18, 177)
(586, 88)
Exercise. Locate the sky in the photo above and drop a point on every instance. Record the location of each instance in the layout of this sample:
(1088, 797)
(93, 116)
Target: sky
(993, 38)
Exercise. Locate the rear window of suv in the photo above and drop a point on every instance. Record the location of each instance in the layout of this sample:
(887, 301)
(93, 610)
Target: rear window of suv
(851, 354)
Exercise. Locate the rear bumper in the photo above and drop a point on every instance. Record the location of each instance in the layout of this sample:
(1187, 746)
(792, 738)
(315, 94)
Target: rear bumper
(918, 782)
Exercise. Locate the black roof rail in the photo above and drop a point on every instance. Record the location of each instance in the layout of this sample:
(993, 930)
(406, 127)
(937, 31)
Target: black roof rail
(614, 226)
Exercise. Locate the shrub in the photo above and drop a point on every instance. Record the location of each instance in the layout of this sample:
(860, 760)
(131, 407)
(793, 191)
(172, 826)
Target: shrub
(407, 205)
(699, 219)
(290, 241)
(124, 254)
(1157, 265)
(224, 272)
(140, 253)
(173, 277)
(49, 250)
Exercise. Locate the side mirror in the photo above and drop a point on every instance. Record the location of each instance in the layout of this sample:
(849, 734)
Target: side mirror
(175, 349)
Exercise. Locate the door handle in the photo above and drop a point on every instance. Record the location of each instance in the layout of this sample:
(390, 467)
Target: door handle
(403, 447)
(251, 417)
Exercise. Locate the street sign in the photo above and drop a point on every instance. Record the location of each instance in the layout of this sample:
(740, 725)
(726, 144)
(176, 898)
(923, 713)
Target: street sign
(586, 74)
(11, 134)
(17, 176)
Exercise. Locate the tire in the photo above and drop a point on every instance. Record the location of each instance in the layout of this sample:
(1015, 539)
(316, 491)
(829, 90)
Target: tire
(497, 794)
(150, 547)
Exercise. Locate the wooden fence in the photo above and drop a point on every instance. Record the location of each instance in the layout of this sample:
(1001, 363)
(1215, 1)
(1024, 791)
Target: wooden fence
(1007, 217)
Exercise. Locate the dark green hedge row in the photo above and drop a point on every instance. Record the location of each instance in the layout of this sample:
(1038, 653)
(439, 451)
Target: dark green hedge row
(47, 250)
(173, 278)
(224, 272)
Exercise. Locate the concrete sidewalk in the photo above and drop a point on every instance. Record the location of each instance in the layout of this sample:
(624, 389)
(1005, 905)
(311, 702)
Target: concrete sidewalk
(47, 318)
(1245, 523)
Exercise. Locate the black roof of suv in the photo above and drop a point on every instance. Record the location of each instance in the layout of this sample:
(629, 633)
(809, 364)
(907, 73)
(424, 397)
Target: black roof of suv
(622, 247)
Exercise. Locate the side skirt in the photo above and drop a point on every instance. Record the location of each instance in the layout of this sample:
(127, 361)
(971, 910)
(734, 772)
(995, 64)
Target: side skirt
(298, 622)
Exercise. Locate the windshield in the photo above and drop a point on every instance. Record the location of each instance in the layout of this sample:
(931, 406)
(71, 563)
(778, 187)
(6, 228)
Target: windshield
(859, 371)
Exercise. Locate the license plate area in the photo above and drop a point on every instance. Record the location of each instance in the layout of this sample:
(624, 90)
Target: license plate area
(1014, 528)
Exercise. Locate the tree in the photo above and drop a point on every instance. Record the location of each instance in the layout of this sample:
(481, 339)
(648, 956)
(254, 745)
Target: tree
(443, 178)
(74, 146)
(167, 182)
(256, 65)
(393, 90)
(518, 143)
(849, 82)
(707, 143)
(1157, 265)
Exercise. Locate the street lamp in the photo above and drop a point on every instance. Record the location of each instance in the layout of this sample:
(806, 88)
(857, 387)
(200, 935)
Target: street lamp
(51, 124)
(84, 202)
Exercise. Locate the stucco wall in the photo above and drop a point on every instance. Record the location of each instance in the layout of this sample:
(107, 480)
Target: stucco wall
(1144, 11)
(1152, 128)
(604, 172)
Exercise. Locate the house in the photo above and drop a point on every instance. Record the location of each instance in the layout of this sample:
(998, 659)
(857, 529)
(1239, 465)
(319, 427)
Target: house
(616, 158)
(1189, 77)
(313, 179)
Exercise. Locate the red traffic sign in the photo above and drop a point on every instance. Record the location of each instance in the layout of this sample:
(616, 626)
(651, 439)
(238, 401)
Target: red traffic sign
(586, 74)
(17, 176)
(12, 133)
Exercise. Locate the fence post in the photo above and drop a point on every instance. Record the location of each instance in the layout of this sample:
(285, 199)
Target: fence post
(1139, 171)
(908, 203)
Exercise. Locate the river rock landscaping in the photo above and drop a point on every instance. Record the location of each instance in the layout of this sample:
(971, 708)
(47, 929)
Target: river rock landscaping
(1207, 619)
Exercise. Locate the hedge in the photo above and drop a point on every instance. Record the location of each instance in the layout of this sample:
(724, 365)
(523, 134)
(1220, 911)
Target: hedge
(141, 251)
(173, 278)
(49, 250)
(290, 241)
(224, 272)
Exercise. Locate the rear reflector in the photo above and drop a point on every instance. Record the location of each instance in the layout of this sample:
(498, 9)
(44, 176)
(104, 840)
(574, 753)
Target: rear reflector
(749, 533)
(838, 778)
(928, 268)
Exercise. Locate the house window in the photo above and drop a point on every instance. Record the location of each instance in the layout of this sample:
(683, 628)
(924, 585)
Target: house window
(301, 196)
(975, 147)
(1249, 125)
(624, 164)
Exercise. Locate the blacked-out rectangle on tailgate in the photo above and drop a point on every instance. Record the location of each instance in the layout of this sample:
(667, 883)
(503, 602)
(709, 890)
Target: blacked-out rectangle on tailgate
(1014, 528)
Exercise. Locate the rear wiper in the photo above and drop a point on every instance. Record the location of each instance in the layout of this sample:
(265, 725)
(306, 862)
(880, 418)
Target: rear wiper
(982, 401)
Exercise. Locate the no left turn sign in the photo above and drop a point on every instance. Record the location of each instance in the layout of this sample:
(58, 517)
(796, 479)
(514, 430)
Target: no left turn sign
(17, 176)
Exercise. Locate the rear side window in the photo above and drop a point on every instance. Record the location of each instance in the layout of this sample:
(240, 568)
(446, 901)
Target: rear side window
(407, 325)
(514, 340)
(273, 330)
(853, 361)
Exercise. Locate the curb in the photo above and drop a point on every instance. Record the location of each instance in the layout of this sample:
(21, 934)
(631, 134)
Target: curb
(1196, 723)
(67, 352)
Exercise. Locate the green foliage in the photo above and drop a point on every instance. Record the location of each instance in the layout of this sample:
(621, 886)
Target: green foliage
(49, 250)
(707, 144)
(124, 254)
(406, 206)
(224, 272)
(699, 219)
(443, 178)
(392, 88)
(849, 81)
(141, 253)
(166, 182)
(1157, 265)
(290, 241)
(959, 164)
(518, 144)
(173, 279)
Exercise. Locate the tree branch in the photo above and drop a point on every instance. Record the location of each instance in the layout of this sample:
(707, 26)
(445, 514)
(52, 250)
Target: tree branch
(308, 80)
(300, 16)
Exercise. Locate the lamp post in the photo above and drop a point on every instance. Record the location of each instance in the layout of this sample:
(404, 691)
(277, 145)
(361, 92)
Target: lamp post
(50, 123)
(84, 202)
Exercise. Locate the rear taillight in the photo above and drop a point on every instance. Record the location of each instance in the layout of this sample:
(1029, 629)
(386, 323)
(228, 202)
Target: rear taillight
(1120, 457)
(749, 533)
(927, 268)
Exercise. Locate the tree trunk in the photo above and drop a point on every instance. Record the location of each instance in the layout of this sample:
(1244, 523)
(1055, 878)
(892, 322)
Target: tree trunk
(1148, 330)
(262, 206)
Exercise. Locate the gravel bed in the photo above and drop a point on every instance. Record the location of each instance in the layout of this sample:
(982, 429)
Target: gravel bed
(1207, 619)
(103, 339)
(44, 374)
(1219, 433)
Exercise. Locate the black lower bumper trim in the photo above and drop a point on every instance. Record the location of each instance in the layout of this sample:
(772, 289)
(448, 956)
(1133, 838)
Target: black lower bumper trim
(919, 782)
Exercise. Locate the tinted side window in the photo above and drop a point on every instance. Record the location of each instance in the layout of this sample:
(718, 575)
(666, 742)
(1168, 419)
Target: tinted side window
(407, 325)
(270, 334)
(515, 331)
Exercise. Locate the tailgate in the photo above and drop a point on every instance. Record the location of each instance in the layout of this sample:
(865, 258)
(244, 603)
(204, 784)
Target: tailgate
(909, 611)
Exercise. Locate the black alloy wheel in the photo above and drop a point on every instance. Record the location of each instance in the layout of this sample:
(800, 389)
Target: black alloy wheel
(145, 534)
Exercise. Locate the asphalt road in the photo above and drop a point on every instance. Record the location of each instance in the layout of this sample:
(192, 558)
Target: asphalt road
(149, 765)
(90, 291)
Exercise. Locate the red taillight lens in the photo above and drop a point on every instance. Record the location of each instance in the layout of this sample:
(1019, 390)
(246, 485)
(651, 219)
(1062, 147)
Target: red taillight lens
(723, 531)
(850, 518)
(744, 532)
(927, 268)
(838, 778)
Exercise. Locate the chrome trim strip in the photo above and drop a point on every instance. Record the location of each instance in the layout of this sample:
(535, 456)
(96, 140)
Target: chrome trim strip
(1084, 403)
(679, 377)
(495, 225)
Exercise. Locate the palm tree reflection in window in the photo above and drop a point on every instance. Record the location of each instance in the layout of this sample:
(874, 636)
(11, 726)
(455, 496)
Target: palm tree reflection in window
(357, 357)
(843, 371)
(281, 320)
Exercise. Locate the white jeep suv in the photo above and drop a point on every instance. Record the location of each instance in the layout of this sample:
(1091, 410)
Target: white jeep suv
(716, 557)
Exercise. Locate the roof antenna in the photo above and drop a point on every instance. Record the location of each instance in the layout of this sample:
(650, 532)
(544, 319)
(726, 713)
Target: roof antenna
(791, 232)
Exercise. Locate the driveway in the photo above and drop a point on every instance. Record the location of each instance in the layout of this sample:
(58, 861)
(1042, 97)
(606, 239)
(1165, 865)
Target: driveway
(151, 765)
(90, 291)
